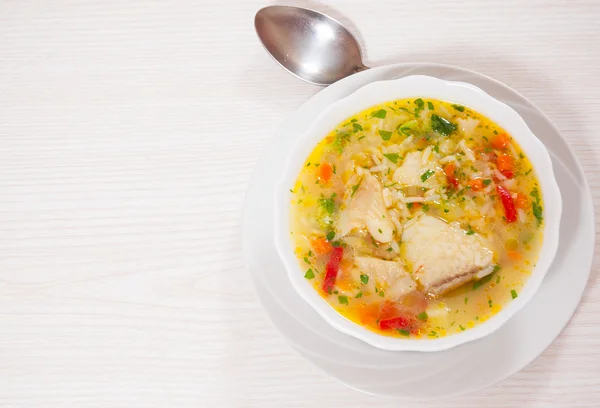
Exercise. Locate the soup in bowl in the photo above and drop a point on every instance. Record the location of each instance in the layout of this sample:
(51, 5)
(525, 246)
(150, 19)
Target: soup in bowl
(420, 222)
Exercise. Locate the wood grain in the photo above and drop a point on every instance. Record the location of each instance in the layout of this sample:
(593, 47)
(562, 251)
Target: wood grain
(129, 131)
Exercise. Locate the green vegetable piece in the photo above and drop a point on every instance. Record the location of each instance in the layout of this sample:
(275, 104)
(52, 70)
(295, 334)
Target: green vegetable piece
(409, 127)
(420, 104)
(357, 127)
(423, 316)
(358, 295)
(513, 293)
(328, 204)
(330, 236)
(364, 279)
(442, 126)
(461, 327)
(381, 114)
(487, 182)
(459, 108)
(385, 134)
(470, 231)
(430, 106)
(425, 176)
(393, 157)
(404, 332)
(343, 300)
(354, 188)
(309, 274)
(537, 211)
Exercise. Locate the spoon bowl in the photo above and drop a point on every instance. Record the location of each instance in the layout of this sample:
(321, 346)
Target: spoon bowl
(310, 45)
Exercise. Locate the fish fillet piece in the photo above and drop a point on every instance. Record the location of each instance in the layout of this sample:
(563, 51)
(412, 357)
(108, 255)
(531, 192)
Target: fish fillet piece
(366, 210)
(409, 174)
(443, 256)
(387, 273)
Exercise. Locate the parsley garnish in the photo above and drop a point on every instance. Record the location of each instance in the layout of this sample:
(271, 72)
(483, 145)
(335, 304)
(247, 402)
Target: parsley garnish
(330, 236)
(513, 293)
(393, 157)
(364, 279)
(354, 188)
(404, 332)
(343, 300)
(426, 175)
(423, 316)
(309, 274)
(430, 106)
(442, 126)
(459, 108)
(328, 204)
(358, 295)
(381, 113)
(385, 134)
(470, 231)
(487, 182)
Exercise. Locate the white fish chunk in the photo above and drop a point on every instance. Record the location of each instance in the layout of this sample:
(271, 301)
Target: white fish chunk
(387, 273)
(414, 166)
(366, 209)
(443, 256)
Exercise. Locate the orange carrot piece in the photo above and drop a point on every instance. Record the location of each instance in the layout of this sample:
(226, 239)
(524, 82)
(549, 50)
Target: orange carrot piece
(504, 163)
(449, 170)
(325, 172)
(514, 255)
(476, 184)
(321, 246)
(522, 201)
(500, 141)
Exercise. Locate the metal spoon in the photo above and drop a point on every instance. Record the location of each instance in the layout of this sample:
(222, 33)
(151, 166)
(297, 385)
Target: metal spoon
(312, 46)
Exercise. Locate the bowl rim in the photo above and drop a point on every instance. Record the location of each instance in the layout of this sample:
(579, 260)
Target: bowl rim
(417, 86)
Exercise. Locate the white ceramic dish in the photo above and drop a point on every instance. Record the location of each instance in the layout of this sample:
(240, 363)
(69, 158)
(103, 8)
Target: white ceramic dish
(413, 87)
(432, 375)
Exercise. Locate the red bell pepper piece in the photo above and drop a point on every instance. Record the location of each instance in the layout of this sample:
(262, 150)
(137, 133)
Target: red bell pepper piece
(399, 322)
(332, 269)
(509, 205)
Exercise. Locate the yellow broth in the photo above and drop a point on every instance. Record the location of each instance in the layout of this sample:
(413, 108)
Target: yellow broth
(378, 141)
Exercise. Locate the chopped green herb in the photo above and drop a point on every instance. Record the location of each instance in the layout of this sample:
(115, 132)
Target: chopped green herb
(385, 134)
(490, 302)
(461, 327)
(535, 194)
(466, 300)
(426, 175)
(291, 191)
(335, 292)
(393, 157)
(404, 332)
(310, 253)
(389, 249)
(334, 169)
(430, 106)
(343, 300)
(358, 295)
(409, 127)
(537, 211)
(496, 268)
(485, 138)
(436, 148)
(330, 236)
(482, 281)
(425, 207)
(381, 114)
(306, 260)
(476, 317)
(442, 126)
(409, 205)
(498, 279)
(357, 127)
(361, 138)
(328, 204)
(470, 231)
(364, 279)
(495, 132)
(459, 108)
(308, 164)
(420, 104)
(487, 182)
(513, 293)
(432, 334)
(300, 201)
(446, 210)
(381, 293)
(354, 188)
(309, 274)
(521, 156)
(528, 171)
(423, 316)
(380, 231)
(391, 185)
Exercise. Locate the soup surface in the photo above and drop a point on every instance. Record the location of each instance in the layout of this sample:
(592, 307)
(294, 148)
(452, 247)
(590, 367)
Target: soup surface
(417, 218)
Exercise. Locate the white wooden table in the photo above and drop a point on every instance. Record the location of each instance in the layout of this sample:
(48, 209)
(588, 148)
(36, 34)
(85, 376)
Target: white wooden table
(128, 133)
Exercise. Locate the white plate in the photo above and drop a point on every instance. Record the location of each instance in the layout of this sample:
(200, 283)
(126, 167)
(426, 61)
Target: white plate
(413, 375)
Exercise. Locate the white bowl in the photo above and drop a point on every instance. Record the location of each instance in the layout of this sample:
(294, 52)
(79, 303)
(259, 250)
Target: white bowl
(414, 87)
